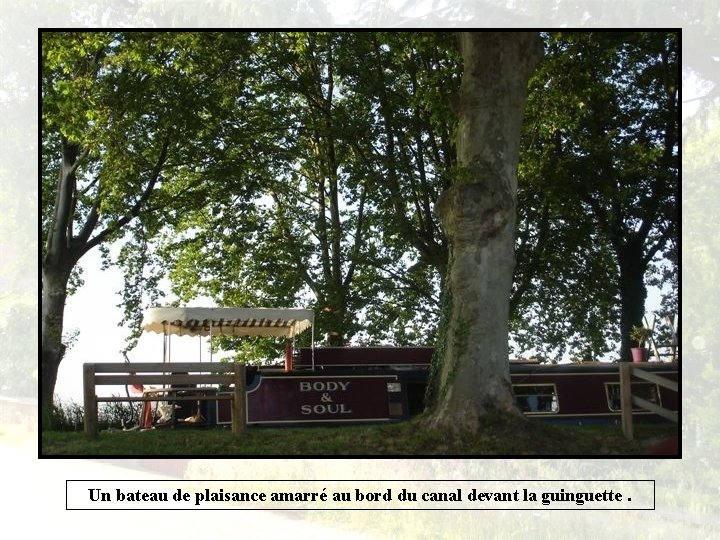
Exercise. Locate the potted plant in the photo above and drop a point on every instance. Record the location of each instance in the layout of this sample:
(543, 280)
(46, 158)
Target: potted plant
(640, 334)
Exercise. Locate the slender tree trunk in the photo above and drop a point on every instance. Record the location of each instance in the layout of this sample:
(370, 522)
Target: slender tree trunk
(470, 377)
(54, 294)
(56, 269)
(633, 294)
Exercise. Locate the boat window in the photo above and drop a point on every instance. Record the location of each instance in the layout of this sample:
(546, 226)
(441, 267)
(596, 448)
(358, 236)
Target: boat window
(536, 398)
(645, 390)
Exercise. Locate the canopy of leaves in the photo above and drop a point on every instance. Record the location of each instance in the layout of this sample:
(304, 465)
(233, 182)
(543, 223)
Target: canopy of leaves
(301, 168)
(352, 146)
(137, 119)
(598, 177)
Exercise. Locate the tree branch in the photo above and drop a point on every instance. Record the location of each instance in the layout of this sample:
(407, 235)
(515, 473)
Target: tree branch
(658, 245)
(358, 240)
(137, 207)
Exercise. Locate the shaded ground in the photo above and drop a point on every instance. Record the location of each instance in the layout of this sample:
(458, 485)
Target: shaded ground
(499, 437)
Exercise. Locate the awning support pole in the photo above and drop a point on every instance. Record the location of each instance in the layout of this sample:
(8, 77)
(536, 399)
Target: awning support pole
(289, 346)
(165, 341)
(312, 345)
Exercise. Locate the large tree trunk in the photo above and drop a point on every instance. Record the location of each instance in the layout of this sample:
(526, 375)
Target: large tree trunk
(470, 373)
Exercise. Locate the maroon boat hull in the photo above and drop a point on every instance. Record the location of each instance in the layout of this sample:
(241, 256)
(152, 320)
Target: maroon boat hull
(310, 398)
(385, 384)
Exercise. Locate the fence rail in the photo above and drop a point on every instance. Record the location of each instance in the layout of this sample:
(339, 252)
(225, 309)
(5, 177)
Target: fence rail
(181, 373)
(627, 400)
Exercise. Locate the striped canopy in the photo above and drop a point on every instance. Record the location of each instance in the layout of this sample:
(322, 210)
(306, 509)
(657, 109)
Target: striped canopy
(227, 321)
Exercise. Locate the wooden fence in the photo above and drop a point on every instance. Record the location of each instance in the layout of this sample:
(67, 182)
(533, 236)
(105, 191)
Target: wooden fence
(177, 373)
(627, 400)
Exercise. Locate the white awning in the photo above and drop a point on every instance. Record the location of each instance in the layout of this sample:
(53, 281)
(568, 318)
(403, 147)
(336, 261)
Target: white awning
(227, 321)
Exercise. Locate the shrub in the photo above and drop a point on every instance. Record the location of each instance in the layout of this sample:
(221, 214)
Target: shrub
(69, 415)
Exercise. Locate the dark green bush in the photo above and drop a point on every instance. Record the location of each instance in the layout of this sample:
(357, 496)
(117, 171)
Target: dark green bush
(69, 415)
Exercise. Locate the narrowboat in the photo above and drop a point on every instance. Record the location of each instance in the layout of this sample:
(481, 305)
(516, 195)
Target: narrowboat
(343, 385)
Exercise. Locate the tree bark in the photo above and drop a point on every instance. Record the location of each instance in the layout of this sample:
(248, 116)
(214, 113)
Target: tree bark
(54, 294)
(470, 376)
(60, 257)
(633, 294)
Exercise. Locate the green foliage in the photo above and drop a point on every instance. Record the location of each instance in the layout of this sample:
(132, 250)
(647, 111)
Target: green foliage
(130, 122)
(326, 227)
(129, 104)
(640, 334)
(598, 183)
(69, 415)
(66, 416)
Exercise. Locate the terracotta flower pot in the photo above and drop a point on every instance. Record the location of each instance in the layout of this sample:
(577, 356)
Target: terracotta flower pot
(639, 354)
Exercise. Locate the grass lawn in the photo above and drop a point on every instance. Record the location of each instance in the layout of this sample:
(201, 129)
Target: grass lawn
(500, 437)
